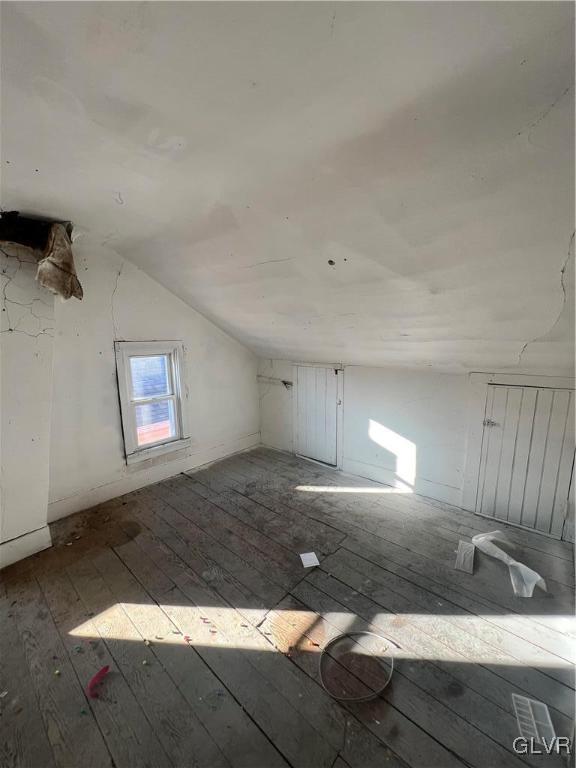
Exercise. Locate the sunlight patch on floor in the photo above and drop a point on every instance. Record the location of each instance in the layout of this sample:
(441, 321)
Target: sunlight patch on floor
(453, 639)
(349, 489)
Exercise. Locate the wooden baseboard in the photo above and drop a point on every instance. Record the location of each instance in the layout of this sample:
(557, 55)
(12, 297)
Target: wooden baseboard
(24, 546)
(438, 491)
(143, 476)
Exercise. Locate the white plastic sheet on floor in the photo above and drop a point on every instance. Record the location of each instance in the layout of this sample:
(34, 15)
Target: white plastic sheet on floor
(523, 579)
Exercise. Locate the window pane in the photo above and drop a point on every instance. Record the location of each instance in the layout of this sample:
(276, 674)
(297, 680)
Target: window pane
(150, 376)
(155, 422)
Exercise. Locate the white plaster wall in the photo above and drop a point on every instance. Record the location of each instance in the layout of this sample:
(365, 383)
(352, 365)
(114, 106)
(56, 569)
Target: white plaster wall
(276, 404)
(427, 410)
(424, 413)
(121, 302)
(27, 323)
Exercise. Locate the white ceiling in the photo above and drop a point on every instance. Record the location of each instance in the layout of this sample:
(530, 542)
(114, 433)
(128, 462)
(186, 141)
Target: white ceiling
(232, 149)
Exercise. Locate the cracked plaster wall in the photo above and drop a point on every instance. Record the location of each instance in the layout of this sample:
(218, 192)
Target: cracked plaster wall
(26, 353)
(121, 302)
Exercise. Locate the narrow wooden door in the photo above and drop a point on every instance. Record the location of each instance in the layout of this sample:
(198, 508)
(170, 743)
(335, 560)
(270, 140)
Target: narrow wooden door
(527, 456)
(316, 413)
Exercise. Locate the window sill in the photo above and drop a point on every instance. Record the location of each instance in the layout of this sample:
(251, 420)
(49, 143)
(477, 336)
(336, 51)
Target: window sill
(157, 450)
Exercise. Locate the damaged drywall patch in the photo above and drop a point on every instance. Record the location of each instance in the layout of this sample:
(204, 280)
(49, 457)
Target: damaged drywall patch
(48, 243)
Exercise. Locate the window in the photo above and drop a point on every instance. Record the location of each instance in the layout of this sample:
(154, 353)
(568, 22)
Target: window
(149, 382)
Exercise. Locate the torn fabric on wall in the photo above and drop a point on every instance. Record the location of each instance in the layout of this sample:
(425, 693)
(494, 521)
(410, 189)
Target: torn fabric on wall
(56, 271)
(49, 241)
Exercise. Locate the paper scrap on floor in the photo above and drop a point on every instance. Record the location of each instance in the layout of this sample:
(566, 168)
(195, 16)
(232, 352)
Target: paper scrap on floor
(523, 579)
(465, 557)
(309, 559)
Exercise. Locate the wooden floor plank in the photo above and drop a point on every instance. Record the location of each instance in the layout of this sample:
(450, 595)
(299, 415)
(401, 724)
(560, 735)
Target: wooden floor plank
(360, 746)
(416, 712)
(453, 643)
(250, 531)
(491, 582)
(446, 584)
(181, 734)
(213, 555)
(174, 512)
(242, 659)
(253, 547)
(120, 718)
(239, 739)
(524, 643)
(181, 539)
(288, 530)
(23, 738)
(75, 739)
(404, 513)
(409, 521)
(418, 644)
(445, 514)
(444, 622)
(264, 490)
(562, 674)
(446, 682)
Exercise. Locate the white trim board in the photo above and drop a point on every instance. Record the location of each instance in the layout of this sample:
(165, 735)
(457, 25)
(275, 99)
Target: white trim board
(23, 546)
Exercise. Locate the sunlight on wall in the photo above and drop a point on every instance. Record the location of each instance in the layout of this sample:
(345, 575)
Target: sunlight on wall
(401, 447)
(224, 628)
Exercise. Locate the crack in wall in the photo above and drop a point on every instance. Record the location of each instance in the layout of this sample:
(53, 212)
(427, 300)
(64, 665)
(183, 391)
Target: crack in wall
(564, 297)
(6, 301)
(262, 393)
(260, 263)
(114, 326)
(528, 130)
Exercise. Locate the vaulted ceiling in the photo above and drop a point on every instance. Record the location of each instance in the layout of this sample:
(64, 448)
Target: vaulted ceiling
(373, 183)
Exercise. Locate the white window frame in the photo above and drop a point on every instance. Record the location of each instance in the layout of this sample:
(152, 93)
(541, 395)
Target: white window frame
(175, 352)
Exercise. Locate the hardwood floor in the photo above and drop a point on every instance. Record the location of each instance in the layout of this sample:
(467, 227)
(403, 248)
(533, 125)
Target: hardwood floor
(193, 593)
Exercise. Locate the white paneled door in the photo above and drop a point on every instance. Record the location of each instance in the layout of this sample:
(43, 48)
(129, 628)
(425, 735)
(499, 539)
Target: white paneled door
(316, 416)
(527, 456)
